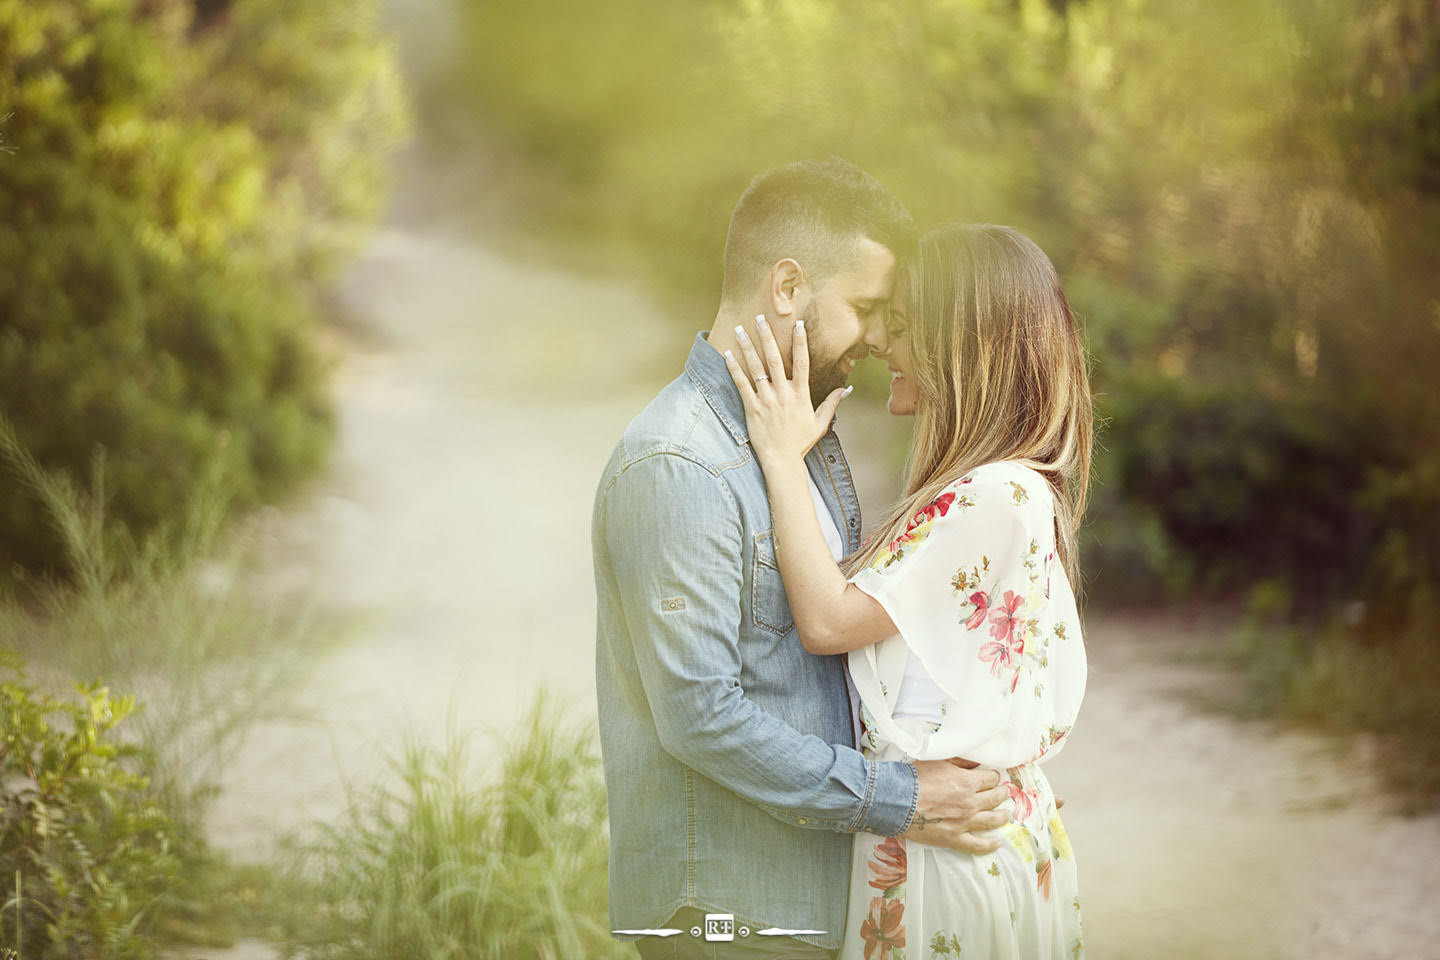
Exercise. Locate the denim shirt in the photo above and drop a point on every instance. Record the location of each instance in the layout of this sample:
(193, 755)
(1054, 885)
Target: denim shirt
(730, 768)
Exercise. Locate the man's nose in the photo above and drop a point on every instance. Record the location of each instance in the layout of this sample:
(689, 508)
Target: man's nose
(878, 340)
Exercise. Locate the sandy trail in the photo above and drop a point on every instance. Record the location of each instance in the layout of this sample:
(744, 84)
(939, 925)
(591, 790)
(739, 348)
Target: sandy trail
(456, 513)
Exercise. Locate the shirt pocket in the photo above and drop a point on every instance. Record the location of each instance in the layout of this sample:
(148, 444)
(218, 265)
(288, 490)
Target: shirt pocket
(769, 607)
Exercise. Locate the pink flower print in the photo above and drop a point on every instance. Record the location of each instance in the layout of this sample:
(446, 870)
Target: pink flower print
(1001, 655)
(1008, 646)
(1004, 622)
(982, 609)
(1024, 804)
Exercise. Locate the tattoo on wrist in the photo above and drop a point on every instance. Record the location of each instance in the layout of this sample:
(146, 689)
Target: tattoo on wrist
(921, 820)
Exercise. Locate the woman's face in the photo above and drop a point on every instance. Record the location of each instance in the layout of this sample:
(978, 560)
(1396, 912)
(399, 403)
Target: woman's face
(902, 386)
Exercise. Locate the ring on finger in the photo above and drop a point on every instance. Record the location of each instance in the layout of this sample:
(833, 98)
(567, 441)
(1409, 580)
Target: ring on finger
(761, 377)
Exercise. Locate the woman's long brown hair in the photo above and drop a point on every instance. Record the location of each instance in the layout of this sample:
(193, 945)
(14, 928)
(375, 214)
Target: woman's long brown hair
(1001, 374)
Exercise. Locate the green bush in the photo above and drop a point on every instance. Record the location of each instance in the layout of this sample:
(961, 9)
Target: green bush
(166, 217)
(86, 854)
(1204, 487)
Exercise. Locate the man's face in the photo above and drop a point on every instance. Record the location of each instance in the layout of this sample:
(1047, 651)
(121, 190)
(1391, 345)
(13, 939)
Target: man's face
(845, 318)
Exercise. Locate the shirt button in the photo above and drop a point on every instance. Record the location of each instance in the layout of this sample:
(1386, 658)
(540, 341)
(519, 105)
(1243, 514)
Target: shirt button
(802, 821)
(852, 521)
(830, 457)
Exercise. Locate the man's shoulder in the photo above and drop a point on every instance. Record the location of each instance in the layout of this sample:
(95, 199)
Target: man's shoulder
(678, 422)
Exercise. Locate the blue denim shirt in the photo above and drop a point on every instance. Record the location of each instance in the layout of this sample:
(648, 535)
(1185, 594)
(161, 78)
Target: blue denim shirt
(730, 767)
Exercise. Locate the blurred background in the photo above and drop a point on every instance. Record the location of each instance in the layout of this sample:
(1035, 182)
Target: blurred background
(318, 322)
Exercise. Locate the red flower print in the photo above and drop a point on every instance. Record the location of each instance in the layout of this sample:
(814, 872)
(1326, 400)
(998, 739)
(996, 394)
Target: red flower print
(1045, 879)
(926, 514)
(887, 864)
(884, 929)
(982, 609)
(1024, 802)
(1004, 622)
(941, 506)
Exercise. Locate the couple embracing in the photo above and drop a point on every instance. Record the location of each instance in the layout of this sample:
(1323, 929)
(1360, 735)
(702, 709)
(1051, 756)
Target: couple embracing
(839, 744)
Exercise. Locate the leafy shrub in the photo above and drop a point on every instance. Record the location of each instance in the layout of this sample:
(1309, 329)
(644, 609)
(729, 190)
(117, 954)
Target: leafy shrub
(1214, 489)
(79, 827)
(163, 242)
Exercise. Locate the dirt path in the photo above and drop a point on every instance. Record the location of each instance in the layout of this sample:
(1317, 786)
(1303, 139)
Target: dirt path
(456, 512)
(1202, 837)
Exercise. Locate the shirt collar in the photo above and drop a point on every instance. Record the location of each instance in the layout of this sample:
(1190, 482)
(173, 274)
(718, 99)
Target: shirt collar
(707, 370)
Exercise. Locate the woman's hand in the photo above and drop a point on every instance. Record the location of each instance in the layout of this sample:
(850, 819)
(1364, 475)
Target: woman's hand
(782, 422)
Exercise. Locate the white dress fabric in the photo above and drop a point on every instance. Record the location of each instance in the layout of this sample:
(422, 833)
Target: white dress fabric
(984, 607)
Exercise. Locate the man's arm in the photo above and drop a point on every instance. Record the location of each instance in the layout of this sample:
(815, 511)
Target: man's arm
(674, 534)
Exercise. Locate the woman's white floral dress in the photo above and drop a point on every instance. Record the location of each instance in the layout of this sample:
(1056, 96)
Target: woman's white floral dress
(978, 594)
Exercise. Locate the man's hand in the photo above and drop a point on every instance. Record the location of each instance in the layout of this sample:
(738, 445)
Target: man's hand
(956, 802)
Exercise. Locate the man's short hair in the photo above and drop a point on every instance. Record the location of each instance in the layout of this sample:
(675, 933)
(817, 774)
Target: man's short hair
(814, 212)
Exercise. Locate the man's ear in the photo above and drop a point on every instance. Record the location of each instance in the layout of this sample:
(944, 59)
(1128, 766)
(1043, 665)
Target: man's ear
(787, 280)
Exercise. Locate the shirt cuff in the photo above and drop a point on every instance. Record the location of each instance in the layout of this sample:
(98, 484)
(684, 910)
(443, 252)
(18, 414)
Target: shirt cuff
(894, 800)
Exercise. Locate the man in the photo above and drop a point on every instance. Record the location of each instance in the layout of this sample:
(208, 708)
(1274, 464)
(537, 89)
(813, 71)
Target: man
(730, 765)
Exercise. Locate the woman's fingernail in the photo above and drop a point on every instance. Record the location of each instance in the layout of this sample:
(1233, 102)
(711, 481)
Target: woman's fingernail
(799, 326)
(740, 333)
(847, 391)
(760, 319)
(729, 356)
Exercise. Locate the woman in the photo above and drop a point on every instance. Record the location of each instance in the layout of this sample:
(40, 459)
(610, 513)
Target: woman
(959, 618)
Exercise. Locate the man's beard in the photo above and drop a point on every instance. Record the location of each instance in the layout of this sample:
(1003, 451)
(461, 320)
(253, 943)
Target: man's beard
(826, 378)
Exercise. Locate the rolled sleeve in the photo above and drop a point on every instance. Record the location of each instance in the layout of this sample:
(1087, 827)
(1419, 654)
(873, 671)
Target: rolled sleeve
(893, 800)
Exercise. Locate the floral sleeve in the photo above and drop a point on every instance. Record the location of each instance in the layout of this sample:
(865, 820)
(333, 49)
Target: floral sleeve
(977, 593)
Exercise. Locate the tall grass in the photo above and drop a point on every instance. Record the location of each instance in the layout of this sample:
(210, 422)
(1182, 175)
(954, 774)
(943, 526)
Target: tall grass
(500, 856)
(166, 617)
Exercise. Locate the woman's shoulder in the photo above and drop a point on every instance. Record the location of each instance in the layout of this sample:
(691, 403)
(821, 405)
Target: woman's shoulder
(1005, 481)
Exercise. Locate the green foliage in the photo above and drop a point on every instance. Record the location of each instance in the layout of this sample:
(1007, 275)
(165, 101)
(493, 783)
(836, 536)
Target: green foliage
(1233, 489)
(435, 862)
(85, 851)
(1241, 198)
(164, 242)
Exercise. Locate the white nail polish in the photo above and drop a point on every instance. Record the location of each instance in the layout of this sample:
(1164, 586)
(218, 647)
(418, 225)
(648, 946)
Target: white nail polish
(740, 332)
(729, 356)
(847, 391)
(760, 319)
